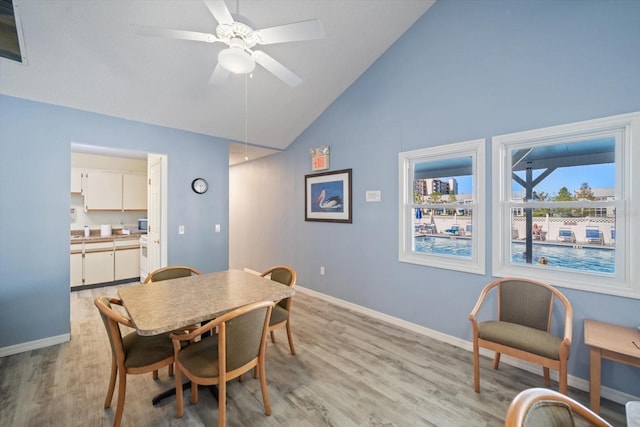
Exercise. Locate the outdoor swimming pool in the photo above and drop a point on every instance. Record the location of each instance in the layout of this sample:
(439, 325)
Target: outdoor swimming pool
(593, 259)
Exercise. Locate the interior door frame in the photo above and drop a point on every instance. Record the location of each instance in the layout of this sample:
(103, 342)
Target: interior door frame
(161, 255)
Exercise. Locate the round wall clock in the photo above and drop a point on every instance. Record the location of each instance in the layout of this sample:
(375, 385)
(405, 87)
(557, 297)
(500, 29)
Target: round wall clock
(199, 185)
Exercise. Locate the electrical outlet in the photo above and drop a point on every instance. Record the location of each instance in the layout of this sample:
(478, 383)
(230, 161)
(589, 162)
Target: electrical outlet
(322, 270)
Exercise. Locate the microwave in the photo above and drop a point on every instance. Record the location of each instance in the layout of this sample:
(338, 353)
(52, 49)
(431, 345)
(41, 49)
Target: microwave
(142, 224)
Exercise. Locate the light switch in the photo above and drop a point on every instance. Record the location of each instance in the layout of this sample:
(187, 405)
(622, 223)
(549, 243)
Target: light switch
(217, 228)
(181, 229)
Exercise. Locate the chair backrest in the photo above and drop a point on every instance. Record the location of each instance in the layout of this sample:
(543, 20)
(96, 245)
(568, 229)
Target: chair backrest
(525, 302)
(171, 272)
(282, 274)
(541, 407)
(565, 232)
(111, 319)
(244, 335)
(592, 233)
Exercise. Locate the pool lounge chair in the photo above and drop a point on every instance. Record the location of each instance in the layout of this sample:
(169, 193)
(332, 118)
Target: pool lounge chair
(467, 230)
(594, 235)
(566, 235)
(454, 230)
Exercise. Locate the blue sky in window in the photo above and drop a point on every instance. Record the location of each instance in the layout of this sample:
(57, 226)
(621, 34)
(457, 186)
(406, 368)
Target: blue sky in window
(597, 176)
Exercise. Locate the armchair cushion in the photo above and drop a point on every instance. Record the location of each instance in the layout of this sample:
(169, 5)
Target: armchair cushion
(521, 337)
(140, 351)
(201, 357)
(278, 315)
(548, 413)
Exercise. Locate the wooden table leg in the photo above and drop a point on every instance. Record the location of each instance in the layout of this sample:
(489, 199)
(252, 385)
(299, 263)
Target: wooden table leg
(595, 364)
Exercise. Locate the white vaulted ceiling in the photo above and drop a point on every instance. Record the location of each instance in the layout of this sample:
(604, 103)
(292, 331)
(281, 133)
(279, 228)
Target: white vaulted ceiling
(86, 55)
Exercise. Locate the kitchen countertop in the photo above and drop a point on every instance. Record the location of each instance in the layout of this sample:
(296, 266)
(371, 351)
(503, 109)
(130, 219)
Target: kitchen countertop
(79, 238)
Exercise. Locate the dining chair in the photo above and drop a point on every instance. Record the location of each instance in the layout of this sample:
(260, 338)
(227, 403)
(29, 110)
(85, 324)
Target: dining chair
(238, 347)
(130, 354)
(171, 272)
(522, 327)
(541, 407)
(280, 316)
(168, 273)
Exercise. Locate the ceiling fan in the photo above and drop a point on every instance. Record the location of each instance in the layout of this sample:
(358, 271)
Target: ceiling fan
(240, 56)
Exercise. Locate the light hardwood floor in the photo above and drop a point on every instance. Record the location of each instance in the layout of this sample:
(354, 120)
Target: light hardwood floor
(350, 370)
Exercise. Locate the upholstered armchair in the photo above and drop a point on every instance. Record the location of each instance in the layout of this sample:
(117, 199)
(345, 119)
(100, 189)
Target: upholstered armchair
(541, 407)
(522, 326)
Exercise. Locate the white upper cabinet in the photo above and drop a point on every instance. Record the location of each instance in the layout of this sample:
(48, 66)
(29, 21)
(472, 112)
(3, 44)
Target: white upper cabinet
(114, 191)
(76, 180)
(134, 192)
(103, 191)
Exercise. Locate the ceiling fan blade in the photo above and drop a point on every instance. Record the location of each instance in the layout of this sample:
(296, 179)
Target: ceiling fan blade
(279, 70)
(305, 30)
(219, 75)
(175, 34)
(219, 11)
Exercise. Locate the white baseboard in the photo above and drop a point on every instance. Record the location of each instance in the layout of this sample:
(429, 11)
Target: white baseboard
(581, 384)
(34, 345)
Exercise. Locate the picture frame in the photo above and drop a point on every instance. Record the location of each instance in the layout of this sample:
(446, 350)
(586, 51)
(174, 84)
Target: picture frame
(327, 196)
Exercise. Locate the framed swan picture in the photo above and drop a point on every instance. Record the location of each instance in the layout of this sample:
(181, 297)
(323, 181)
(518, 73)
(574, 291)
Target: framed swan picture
(327, 196)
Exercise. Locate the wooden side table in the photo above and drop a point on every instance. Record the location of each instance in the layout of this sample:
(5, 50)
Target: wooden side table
(608, 341)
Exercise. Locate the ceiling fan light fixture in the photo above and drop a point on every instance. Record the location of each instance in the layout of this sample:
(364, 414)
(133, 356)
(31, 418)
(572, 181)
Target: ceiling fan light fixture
(235, 59)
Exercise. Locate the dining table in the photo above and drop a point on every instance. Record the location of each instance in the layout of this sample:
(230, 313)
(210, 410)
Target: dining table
(164, 306)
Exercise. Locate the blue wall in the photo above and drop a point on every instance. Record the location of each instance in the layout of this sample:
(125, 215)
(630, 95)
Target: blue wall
(35, 162)
(465, 70)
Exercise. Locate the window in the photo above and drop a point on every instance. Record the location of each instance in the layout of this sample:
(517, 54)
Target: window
(441, 206)
(564, 204)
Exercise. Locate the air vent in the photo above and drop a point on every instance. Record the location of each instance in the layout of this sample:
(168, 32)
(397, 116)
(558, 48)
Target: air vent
(11, 41)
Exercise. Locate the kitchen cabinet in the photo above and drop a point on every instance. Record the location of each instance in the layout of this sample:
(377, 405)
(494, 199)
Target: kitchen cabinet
(134, 191)
(104, 261)
(104, 191)
(98, 262)
(127, 259)
(76, 180)
(114, 191)
(76, 264)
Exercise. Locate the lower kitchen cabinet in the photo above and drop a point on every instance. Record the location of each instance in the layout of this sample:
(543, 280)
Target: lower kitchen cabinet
(127, 262)
(105, 261)
(76, 267)
(98, 265)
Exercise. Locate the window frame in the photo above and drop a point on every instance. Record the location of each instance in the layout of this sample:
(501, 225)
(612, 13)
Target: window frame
(624, 282)
(406, 160)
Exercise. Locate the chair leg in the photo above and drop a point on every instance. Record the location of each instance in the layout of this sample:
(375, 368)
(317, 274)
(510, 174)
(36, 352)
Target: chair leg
(476, 367)
(547, 378)
(273, 337)
(179, 393)
(112, 384)
(496, 361)
(194, 393)
(290, 337)
(122, 387)
(562, 379)
(222, 403)
(155, 374)
(263, 387)
(171, 370)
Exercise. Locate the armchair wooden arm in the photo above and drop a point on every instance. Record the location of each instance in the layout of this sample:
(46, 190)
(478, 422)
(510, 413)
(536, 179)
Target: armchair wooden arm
(541, 400)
